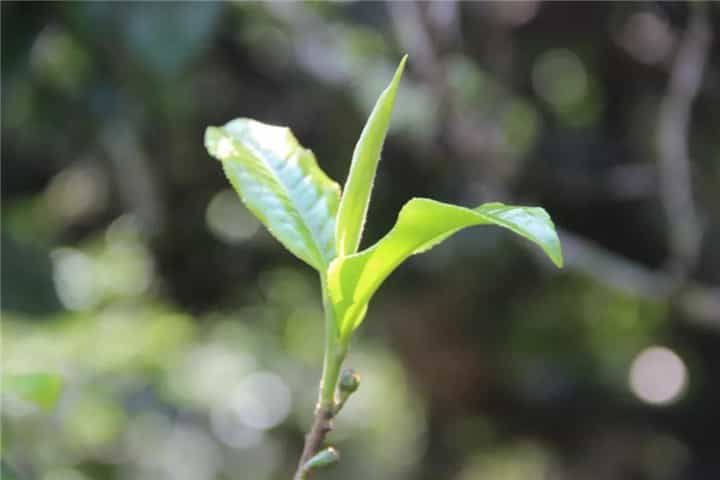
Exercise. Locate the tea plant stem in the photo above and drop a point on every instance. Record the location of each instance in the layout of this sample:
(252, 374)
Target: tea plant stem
(334, 353)
(325, 409)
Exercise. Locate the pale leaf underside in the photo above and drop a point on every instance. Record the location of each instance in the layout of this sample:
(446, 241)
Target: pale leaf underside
(281, 183)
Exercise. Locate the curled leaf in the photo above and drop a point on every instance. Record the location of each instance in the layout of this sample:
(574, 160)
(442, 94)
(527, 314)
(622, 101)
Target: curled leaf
(422, 224)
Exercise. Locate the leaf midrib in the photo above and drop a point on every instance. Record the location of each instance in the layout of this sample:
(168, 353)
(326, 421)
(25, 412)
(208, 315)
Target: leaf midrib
(257, 151)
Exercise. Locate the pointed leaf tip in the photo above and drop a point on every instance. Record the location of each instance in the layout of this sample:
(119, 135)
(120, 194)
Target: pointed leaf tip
(399, 71)
(533, 223)
(422, 224)
(358, 186)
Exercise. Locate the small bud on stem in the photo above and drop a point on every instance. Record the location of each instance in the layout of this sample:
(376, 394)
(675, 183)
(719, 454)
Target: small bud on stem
(349, 383)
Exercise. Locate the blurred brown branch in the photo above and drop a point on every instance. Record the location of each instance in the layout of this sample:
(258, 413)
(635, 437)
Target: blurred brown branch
(699, 303)
(674, 166)
(464, 136)
(134, 177)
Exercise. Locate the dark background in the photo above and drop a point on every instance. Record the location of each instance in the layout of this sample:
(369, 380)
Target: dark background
(190, 341)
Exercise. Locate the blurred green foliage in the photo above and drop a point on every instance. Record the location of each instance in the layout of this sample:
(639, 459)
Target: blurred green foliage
(42, 388)
(188, 340)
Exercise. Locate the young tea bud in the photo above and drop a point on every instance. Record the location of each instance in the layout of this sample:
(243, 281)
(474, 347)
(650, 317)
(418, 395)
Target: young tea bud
(349, 381)
(323, 458)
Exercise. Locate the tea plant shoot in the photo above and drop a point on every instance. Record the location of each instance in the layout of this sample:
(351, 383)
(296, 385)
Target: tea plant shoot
(281, 182)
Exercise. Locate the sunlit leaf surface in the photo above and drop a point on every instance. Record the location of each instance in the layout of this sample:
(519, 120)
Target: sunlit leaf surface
(422, 224)
(358, 186)
(281, 183)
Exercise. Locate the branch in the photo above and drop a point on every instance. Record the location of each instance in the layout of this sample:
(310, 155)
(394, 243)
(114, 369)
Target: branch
(131, 168)
(700, 304)
(312, 457)
(334, 392)
(684, 228)
(322, 425)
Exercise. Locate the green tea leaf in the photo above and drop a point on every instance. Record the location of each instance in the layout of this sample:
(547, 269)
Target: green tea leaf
(281, 183)
(41, 388)
(422, 224)
(358, 186)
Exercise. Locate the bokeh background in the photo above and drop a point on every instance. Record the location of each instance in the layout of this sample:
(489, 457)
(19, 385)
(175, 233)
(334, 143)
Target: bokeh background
(190, 341)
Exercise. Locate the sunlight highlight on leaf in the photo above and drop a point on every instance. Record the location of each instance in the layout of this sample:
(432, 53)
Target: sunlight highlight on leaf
(281, 183)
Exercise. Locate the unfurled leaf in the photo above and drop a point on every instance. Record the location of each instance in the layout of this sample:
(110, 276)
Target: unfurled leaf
(41, 388)
(358, 186)
(423, 223)
(281, 183)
